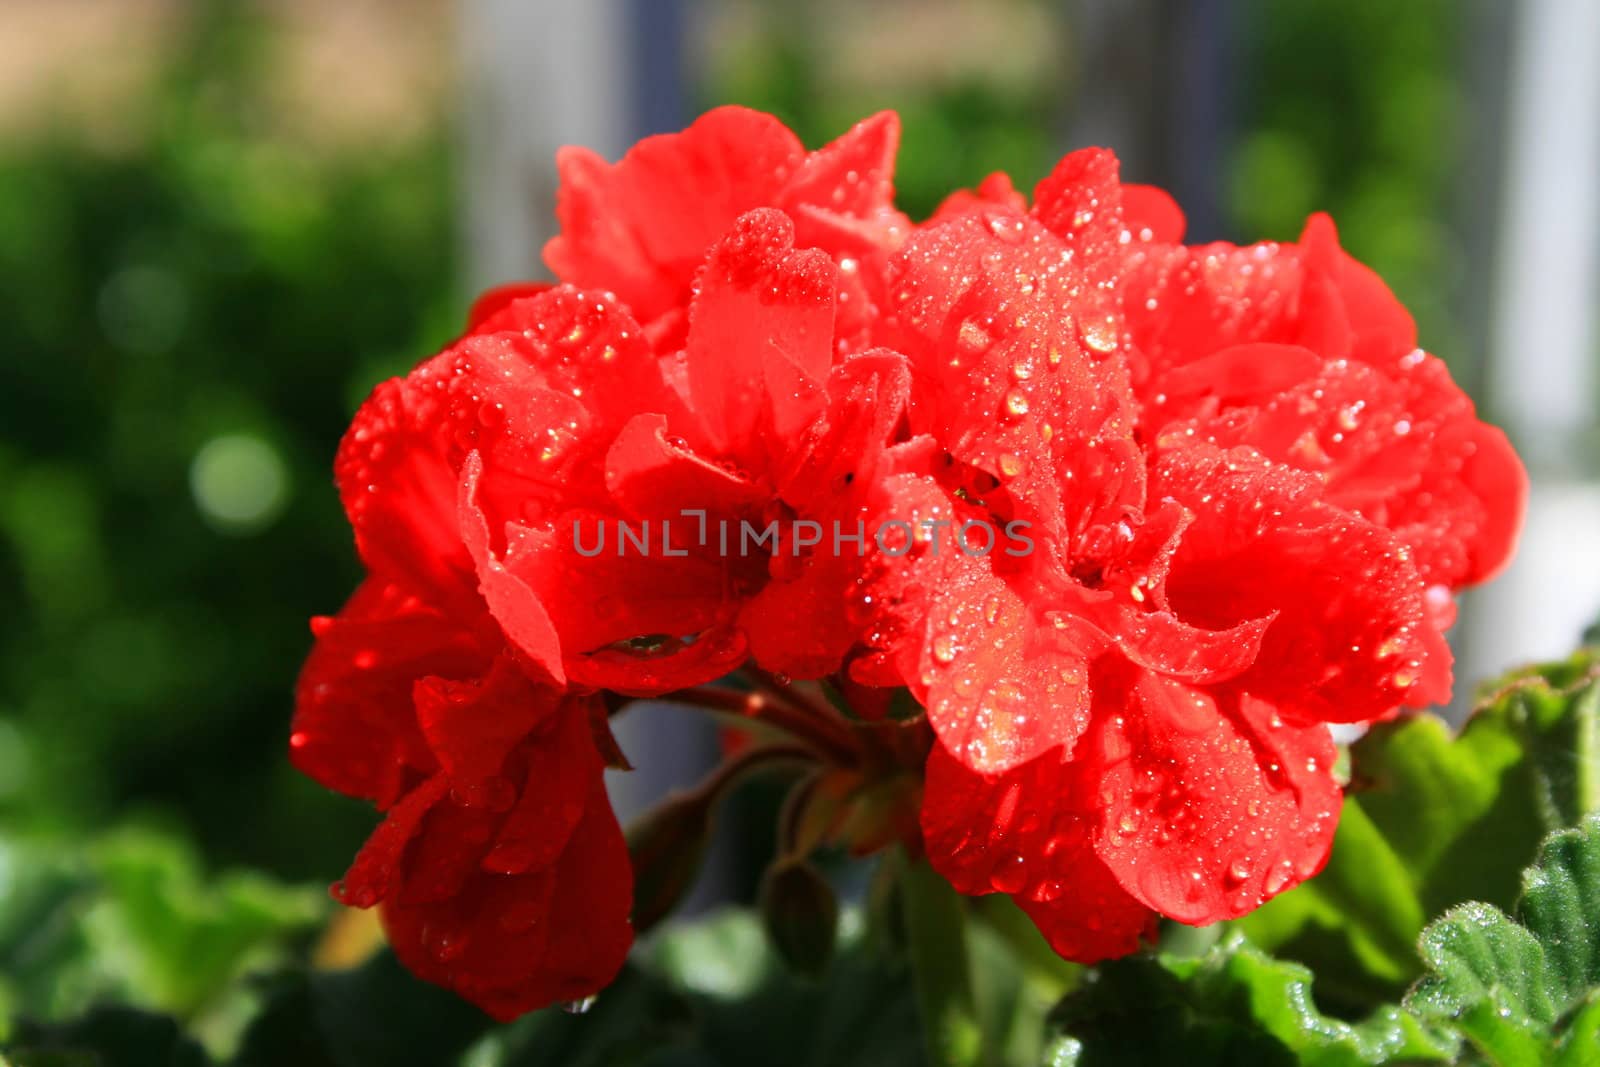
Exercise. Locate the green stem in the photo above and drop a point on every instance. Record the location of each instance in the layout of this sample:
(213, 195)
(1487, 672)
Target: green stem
(937, 936)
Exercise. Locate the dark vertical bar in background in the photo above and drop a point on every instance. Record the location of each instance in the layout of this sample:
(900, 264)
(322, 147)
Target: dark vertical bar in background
(1198, 130)
(1156, 82)
(657, 33)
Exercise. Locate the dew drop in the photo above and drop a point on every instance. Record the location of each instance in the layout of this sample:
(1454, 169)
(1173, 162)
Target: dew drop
(1010, 874)
(1279, 877)
(510, 857)
(1099, 335)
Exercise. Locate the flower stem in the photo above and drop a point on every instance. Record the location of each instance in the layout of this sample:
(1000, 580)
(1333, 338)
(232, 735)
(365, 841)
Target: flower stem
(802, 723)
(937, 941)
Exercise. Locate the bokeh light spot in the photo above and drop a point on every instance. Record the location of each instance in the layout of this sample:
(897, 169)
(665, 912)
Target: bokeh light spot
(240, 483)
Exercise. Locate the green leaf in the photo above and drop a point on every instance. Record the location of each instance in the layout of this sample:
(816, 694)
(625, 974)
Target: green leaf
(1235, 1004)
(1576, 1048)
(1518, 991)
(174, 939)
(131, 919)
(1561, 905)
(106, 1037)
(1432, 821)
(713, 992)
(377, 1013)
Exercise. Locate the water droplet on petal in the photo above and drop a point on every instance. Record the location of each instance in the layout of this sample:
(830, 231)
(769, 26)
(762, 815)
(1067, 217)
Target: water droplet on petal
(1010, 874)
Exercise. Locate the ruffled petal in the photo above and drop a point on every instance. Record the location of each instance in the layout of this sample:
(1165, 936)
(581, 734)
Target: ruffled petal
(372, 876)
(354, 727)
(485, 315)
(995, 191)
(513, 603)
(1017, 375)
(853, 175)
(1210, 804)
(812, 609)
(760, 338)
(512, 943)
(398, 487)
(562, 765)
(1029, 833)
(472, 725)
(1150, 214)
(1350, 637)
(640, 228)
(1002, 686)
(653, 474)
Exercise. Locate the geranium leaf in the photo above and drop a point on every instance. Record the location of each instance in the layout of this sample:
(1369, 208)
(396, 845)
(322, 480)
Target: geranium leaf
(1517, 991)
(1576, 1047)
(1561, 905)
(108, 1035)
(375, 1013)
(1235, 1004)
(131, 919)
(1431, 821)
(714, 992)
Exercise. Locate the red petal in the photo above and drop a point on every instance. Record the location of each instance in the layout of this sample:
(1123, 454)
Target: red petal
(1001, 685)
(641, 227)
(603, 601)
(1017, 373)
(1242, 373)
(1150, 214)
(473, 725)
(583, 345)
(995, 191)
(398, 489)
(376, 866)
(485, 314)
(561, 766)
(1350, 639)
(515, 943)
(808, 615)
(1029, 833)
(1208, 811)
(589, 933)
(512, 603)
(1381, 328)
(652, 474)
(1080, 201)
(354, 726)
(1185, 303)
(1398, 444)
(760, 338)
(853, 175)
(1495, 475)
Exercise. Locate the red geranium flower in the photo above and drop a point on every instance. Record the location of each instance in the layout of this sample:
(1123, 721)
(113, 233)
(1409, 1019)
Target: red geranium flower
(1221, 502)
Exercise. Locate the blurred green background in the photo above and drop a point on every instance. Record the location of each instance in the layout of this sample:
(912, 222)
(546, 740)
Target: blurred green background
(222, 222)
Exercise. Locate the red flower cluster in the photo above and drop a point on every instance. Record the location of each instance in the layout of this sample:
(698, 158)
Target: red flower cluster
(1132, 520)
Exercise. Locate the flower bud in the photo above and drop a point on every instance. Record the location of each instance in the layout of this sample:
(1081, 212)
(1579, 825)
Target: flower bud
(801, 915)
(667, 847)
